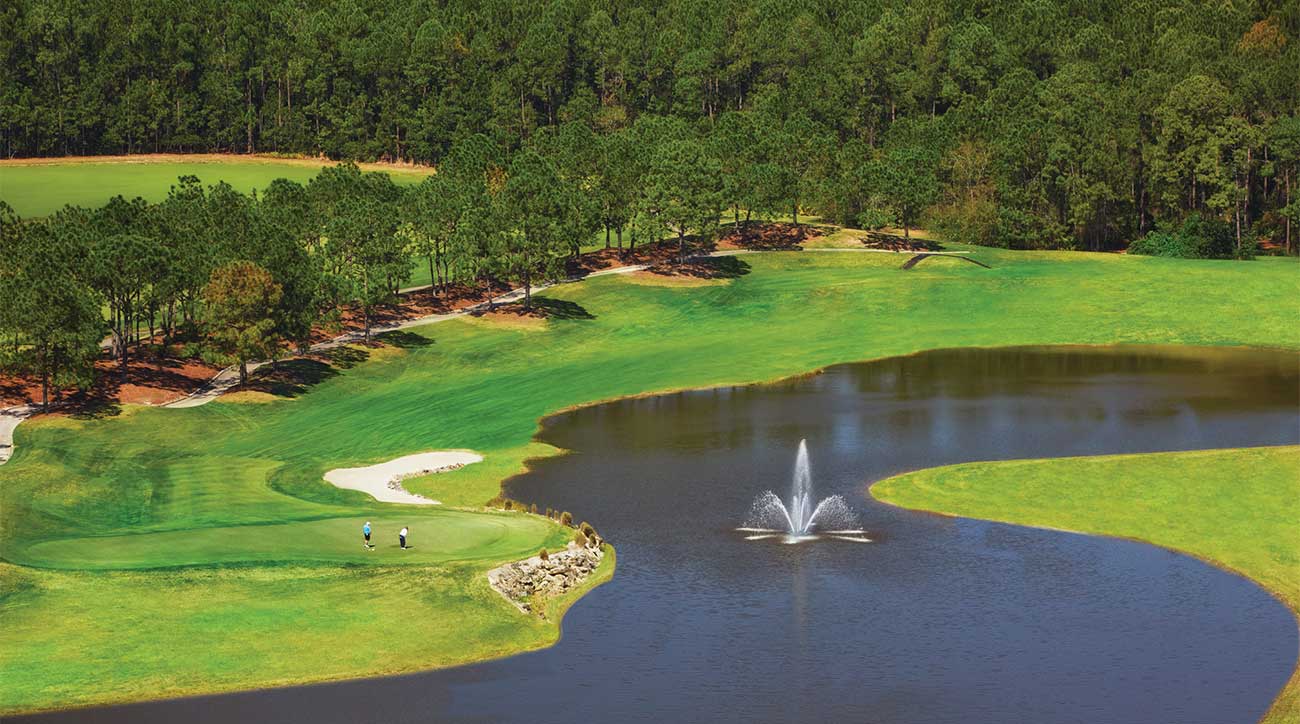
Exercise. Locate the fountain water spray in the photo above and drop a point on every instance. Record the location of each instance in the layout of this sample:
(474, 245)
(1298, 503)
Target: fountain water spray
(769, 517)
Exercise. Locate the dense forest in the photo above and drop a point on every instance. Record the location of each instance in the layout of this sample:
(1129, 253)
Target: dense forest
(1027, 123)
(1167, 126)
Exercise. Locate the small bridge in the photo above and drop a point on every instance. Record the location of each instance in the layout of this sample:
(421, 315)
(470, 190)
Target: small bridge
(920, 257)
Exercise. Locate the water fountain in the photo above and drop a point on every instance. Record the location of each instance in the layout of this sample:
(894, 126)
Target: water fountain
(769, 517)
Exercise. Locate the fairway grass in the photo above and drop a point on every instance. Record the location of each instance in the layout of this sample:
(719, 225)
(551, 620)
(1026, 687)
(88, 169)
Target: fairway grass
(39, 187)
(1238, 509)
(183, 502)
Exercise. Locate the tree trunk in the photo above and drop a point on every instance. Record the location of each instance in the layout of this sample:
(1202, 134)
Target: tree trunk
(681, 246)
(243, 372)
(619, 231)
(365, 303)
(1288, 218)
(606, 236)
(432, 277)
(528, 290)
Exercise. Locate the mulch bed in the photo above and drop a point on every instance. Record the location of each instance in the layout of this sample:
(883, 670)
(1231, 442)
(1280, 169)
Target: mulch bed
(149, 380)
(768, 236)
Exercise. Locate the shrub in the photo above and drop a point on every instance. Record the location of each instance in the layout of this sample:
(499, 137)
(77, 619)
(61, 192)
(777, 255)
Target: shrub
(508, 504)
(580, 538)
(544, 555)
(566, 518)
(1196, 238)
(970, 221)
(873, 219)
(587, 529)
(533, 509)
(1020, 229)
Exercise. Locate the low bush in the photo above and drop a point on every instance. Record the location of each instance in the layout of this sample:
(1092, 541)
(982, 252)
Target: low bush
(580, 538)
(544, 555)
(1196, 238)
(566, 518)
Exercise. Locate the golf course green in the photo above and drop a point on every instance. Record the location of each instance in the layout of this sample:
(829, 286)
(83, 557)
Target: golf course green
(1237, 508)
(203, 546)
(41, 188)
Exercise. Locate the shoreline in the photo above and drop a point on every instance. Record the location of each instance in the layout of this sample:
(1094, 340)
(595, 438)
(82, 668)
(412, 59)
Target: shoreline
(598, 578)
(556, 609)
(1281, 707)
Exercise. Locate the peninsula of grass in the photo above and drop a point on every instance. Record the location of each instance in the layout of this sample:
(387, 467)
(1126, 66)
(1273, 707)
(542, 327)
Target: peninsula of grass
(241, 575)
(1238, 509)
(38, 187)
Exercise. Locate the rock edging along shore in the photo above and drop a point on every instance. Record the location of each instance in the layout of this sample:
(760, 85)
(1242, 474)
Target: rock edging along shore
(523, 583)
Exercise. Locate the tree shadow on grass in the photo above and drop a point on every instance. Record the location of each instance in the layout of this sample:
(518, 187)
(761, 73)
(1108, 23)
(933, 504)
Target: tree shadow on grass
(715, 267)
(404, 340)
(87, 407)
(291, 378)
(347, 356)
(561, 309)
(894, 242)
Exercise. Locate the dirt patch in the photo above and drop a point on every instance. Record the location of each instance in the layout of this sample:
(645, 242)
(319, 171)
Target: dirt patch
(655, 253)
(149, 380)
(769, 236)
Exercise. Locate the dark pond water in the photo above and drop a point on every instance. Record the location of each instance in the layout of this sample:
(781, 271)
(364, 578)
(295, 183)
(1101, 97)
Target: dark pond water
(940, 620)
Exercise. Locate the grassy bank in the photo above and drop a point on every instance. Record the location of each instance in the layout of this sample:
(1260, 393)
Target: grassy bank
(1235, 508)
(247, 477)
(37, 187)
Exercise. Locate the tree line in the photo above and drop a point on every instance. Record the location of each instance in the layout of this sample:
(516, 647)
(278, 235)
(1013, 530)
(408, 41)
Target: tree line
(251, 276)
(1025, 123)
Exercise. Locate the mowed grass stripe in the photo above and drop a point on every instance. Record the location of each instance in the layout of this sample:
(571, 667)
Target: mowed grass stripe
(435, 537)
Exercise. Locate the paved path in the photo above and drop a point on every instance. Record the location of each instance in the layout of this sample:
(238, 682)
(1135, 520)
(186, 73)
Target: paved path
(9, 419)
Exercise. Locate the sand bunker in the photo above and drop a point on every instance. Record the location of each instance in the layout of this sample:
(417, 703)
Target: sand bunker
(383, 481)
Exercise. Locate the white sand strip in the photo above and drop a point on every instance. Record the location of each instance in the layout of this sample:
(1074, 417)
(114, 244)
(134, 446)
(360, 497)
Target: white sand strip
(9, 419)
(383, 481)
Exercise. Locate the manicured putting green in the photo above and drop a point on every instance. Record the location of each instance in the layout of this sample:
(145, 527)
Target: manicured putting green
(39, 190)
(435, 537)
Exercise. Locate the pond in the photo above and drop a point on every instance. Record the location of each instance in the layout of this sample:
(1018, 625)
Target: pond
(936, 620)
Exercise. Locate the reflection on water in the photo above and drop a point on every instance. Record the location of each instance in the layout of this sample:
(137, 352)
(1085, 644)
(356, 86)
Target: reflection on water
(939, 620)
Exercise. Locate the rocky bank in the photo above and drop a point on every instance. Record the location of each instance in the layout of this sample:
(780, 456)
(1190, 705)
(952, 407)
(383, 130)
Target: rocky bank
(524, 582)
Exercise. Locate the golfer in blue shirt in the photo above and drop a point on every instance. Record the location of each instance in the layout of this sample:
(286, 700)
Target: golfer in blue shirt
(365, 530)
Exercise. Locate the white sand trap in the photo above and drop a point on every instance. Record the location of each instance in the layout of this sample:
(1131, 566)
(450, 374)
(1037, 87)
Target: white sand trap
(383, 481)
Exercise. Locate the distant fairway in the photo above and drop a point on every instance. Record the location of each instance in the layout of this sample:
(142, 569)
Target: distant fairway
(39, 189)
